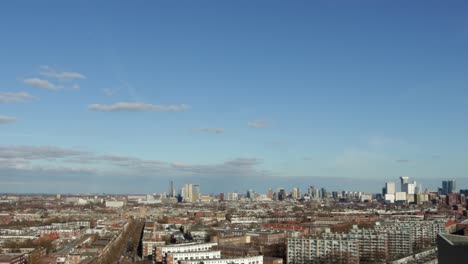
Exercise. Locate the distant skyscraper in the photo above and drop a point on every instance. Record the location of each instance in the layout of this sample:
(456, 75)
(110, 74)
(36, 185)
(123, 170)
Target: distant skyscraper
(404, 183)
(411, 188)
(452, 186)
(270, 193)
(449, 187)
(323, 193)
(172, 190)
(231, 196)
(196, 193)
(187, 193)
(296, 193)
(281, 194)
(390, 188)
(250, 194)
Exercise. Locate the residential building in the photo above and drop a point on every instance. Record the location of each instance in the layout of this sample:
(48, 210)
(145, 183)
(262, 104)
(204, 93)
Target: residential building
(162, 251)
(321, 250)
(178, 257)
(244, 260)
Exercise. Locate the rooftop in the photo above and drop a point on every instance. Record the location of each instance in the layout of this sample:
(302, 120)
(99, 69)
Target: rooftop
(455, 239)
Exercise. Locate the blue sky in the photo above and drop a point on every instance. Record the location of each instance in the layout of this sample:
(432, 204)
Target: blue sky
(231, 94)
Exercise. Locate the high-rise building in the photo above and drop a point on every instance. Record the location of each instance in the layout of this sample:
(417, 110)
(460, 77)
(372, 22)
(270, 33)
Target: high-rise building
(196, 193)
(250, 194)
(323, 193)
(231, 196)
(411, 188)
(452, 186)
(448, 187)
(270, 193)
(172, 190)
(390, 188)
(444, 189)
(404, 183)
(296, 193)
(311, 191)
(187, 193)
(281, 194)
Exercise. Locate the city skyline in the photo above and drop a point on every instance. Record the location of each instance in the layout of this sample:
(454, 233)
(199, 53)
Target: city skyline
(123, 98)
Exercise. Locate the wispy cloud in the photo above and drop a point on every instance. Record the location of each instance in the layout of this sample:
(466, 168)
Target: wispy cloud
(137, 106)
(214, 130)
(37, 152)
(51, 73)
(73, 87)
(402, 161)
(49, 158)
(7, 119)
(258, 124)
(20, 97)
(41, 83)
(108, 91)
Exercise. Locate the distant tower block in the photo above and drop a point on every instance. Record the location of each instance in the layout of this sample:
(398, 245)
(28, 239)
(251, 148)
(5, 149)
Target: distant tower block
(404, 183)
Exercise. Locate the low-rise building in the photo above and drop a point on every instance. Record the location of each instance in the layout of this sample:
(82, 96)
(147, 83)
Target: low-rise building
(178, 257)
(245, 260)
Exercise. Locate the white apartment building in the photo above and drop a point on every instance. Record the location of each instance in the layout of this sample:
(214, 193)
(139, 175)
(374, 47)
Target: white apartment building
(178, 257)
(115, 204)
(321, 250)
(244, 260)
(372, 244)
(162, 251)
(231, 196)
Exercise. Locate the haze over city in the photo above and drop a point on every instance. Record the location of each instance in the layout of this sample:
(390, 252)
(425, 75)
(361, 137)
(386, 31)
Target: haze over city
(107, 97)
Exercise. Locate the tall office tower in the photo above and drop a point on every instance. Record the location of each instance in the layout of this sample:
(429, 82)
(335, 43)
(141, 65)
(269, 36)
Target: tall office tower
(172, 191)
(452, 186)
(311, 191)
(250, 194)
(324, 193)
(187, 193)
(390, 188)
(296, 193)
(270, 193)
(411, 188)
(444, 190)
(404, 183)
(183, 193)
(449, 187)
(282, 194)
(196, 193)
(231, 196)
(418, 189)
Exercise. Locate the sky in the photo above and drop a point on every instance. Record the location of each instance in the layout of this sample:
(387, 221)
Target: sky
(124, 96)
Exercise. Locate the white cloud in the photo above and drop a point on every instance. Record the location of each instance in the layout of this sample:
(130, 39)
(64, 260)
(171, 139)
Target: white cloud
(49, 158)
(214, 130)
(37, 152)
(49, 72)
(20, 97)
(75, 87)
(41, 83)
(258, 124)
(137, 106)
(7, 119)
(108, 91)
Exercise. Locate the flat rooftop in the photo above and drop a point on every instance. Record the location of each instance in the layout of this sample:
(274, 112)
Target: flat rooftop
(455, 239)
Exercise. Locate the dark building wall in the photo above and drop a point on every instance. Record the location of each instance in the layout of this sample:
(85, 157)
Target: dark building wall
(448, 253)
